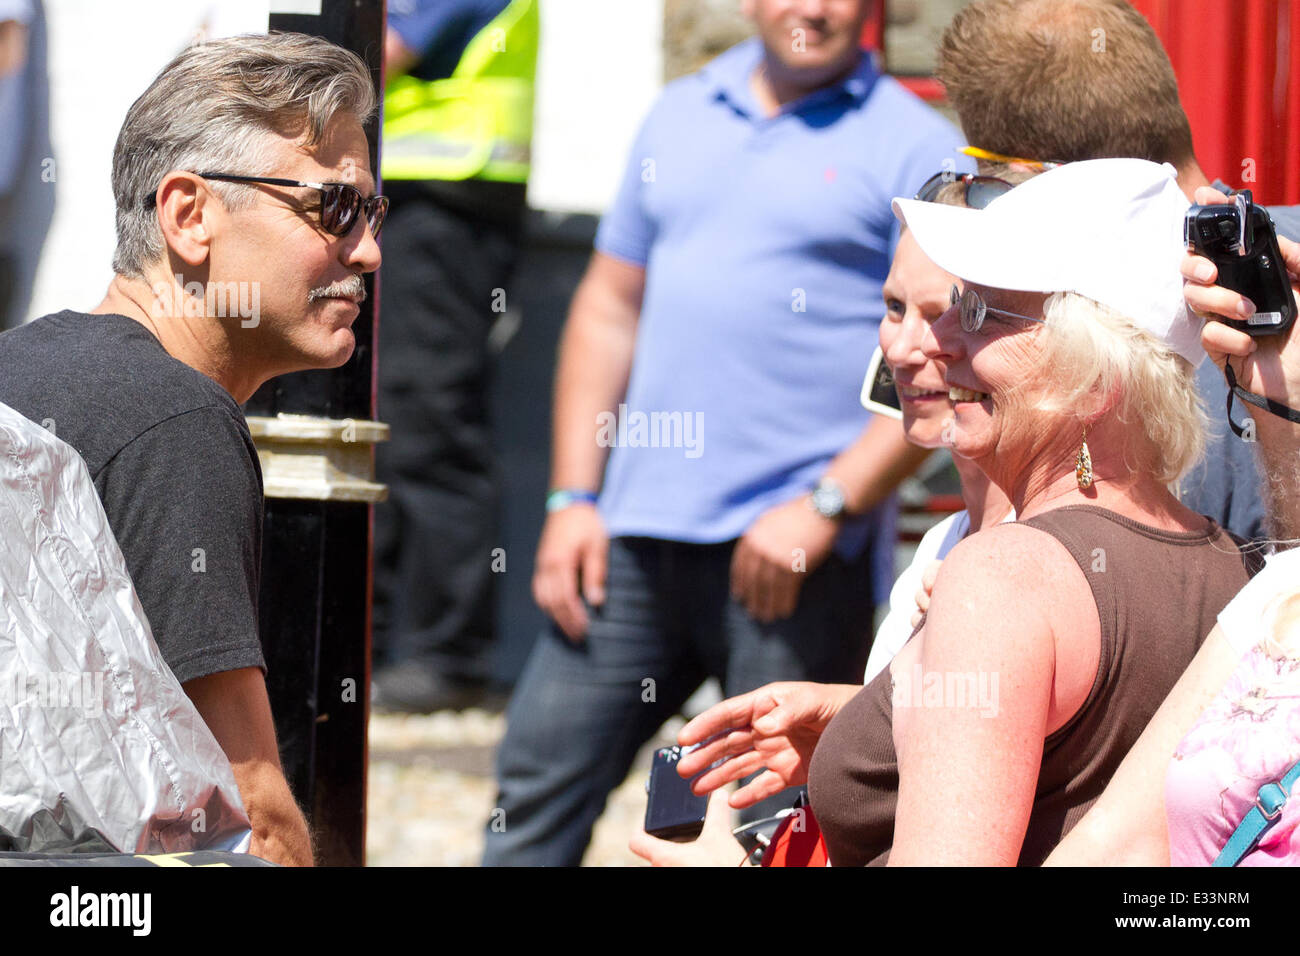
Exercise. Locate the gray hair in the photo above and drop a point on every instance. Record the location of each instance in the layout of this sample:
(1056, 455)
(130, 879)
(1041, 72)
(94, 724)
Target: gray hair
(214, 107)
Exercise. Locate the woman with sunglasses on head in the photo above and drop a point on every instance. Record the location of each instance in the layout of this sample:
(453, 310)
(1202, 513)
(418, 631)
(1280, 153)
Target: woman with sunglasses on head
(1051, 641)
(916, 293)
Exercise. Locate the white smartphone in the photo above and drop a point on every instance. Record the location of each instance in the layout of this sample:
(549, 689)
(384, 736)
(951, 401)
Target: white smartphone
(878, 392)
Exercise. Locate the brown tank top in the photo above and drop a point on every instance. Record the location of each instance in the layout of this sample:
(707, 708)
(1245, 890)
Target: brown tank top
(1157, 600)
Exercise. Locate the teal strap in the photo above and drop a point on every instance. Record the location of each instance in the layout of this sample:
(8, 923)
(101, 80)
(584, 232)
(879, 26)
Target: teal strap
(1267, 811)
(561, 498)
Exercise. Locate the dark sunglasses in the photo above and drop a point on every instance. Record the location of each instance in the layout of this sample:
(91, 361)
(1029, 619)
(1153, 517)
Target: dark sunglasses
(980, 190)
(973, 309)
(340, 203)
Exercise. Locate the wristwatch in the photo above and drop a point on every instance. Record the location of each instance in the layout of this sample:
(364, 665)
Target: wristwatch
(827, 499)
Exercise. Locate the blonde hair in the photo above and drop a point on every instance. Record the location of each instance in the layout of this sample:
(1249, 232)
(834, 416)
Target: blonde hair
(1092, 348)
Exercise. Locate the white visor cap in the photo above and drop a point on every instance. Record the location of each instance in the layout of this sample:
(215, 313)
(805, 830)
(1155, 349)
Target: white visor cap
(1108, 229)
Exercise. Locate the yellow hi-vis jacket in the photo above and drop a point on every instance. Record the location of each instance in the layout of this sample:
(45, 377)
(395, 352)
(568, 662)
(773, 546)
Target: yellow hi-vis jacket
(476, 123)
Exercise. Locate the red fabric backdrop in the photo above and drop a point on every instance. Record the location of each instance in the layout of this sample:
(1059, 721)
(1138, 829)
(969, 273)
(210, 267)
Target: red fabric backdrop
(1238, 67)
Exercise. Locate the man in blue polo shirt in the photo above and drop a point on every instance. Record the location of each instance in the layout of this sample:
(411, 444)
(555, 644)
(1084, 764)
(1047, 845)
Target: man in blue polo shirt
(715, 351)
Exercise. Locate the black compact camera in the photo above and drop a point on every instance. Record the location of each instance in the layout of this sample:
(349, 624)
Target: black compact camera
(1239, 239)
(672, 812)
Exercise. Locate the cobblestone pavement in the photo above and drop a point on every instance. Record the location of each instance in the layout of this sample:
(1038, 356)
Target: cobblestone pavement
(431, 791)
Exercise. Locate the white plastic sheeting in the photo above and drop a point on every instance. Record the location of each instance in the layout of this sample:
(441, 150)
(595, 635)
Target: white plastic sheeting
(100, 748)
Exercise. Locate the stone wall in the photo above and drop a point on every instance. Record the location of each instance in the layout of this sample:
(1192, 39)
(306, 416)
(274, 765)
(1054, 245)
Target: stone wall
(695, 31)
(912, 34)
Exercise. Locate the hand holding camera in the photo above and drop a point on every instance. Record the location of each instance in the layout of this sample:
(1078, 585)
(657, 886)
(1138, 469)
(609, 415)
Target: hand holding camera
(1264, 355)
(1239, 239)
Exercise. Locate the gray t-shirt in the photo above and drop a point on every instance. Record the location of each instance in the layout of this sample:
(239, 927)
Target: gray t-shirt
(175, 468)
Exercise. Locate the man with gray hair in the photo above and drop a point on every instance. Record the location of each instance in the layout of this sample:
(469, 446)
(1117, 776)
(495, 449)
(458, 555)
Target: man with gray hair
(246, 217)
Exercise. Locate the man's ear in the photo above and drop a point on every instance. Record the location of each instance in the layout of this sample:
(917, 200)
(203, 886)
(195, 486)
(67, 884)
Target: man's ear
(185, 215)
(747, 9)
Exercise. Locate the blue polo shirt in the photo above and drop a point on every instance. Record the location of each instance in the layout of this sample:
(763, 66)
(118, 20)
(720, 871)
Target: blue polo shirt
(765, 243)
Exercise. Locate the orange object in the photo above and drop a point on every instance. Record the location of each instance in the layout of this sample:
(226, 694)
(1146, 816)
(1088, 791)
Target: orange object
(797, 842)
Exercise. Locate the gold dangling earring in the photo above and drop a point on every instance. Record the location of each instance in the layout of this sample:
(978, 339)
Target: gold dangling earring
(1083, 464)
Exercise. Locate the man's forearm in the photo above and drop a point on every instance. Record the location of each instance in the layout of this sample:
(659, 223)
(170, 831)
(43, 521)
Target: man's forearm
(873, 466)
(594, 365)
(235, 706)
(591, 378)
(1279, 456)
(280, 832)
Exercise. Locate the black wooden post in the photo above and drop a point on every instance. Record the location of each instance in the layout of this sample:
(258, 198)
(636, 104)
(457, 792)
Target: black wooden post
(314, 432)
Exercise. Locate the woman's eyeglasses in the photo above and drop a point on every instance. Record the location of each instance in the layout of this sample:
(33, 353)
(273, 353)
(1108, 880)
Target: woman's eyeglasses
(340, 203)
(980, 190)
(973, 309)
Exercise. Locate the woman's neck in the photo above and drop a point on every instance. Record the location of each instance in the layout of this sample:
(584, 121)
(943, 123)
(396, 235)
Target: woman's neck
(986, 503)
(1135, 495)
(1042, 477)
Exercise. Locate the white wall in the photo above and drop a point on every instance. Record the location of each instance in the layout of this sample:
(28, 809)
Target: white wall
(103, 54)
(599, 70)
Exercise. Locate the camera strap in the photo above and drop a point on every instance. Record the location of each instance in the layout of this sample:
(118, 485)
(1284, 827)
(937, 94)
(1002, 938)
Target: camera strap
(1259, 401)
(1269, 801)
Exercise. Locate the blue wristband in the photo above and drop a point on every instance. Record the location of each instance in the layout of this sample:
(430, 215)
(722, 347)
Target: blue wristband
(561, 498)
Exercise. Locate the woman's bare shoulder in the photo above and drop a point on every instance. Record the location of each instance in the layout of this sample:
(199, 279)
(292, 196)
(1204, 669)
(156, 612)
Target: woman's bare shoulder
(1015, 593)
(1007, 547)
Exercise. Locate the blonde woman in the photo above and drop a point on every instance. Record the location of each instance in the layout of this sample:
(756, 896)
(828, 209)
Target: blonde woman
(1069, 356)
(1223, 747)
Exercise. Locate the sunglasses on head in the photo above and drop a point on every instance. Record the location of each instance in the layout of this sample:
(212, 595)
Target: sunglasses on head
(340, 203)
(980, 190)
(1041, 165)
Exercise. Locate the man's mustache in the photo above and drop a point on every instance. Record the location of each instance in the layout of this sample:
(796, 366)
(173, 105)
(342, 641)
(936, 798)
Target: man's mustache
(353, 287)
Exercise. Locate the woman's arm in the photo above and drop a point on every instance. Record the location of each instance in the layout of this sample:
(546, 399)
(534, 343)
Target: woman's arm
(1127, 825)
(969, 727)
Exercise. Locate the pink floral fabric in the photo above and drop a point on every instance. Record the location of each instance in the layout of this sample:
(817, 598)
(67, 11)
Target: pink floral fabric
(1249, 735)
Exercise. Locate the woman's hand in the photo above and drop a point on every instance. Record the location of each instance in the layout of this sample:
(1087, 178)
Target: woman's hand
(923, 593)
(774, 728)
(715, 846)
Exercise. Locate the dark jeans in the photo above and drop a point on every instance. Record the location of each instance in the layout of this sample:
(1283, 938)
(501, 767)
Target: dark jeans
(434, 536)
(580, 714)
